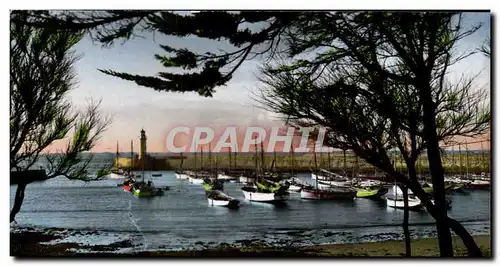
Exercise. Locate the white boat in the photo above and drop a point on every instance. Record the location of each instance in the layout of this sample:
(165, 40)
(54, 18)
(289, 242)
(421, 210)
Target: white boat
(369, 183)
(325, 183)
(181, 175)
(398, 203)
(115, 176)
(294, 184)
(246, 180)
(396, 199)
(252, 194)
(225, 177)
(294, 188)
(323, 174)
(196, 181)
(218, 198)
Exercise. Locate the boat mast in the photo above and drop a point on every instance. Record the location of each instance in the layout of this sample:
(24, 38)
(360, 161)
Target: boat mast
(329, 162)
(230, 161)
(466, 159)
(262, 156)
(345, 163)
(182, 161)
(314, 154)
(117, 156)
(201, 158)
(195, 159)
(293, 160)
(210, 158)
(256, 160)
(131, 156)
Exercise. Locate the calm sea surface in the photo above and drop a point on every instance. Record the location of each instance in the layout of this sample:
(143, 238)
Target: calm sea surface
(182, 218)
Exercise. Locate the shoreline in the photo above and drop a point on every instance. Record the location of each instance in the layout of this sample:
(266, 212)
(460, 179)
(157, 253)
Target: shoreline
(34, 244)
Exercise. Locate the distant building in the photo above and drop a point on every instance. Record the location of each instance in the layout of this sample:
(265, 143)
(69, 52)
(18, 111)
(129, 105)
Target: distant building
(141, 160)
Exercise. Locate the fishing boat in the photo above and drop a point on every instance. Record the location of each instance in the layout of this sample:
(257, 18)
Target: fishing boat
(322, 184)
(223, 176)
(333, 193)
(254, 194)
(247, 179)
(218, 198)
(127, 185)
(264, 190)
(141, 189)
(294, 184)
(181, 175)
(371, 192)
(478, 184)
(196, 180)
(396, 199)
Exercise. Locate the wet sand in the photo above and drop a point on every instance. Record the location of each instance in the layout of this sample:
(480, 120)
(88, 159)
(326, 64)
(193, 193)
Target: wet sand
(31, 244)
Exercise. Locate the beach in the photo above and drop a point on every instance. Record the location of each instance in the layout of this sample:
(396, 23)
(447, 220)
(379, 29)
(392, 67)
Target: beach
(31, 244)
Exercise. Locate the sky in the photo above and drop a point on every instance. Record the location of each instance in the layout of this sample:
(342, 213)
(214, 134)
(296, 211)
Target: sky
(134, 108)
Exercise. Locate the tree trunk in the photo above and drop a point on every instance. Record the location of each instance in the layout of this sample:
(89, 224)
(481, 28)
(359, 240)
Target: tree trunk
(467, 239)
(18, 201)
(437, 172)
(406, 216)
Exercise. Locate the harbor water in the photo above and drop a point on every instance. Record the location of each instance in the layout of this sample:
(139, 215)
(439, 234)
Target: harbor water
(182, 218)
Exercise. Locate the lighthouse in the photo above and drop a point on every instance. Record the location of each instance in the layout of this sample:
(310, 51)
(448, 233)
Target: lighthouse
(142, 150)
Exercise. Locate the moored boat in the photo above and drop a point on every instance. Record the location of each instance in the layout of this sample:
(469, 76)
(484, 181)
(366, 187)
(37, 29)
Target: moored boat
(181, 175)
(141, 189)
(218, 198)
(398, 202)
(156, 175)
(323, 184)
(327, 194)
(478, 184)
(371, 192)
(245, 179)
(254, 194)
(195, 180)
(223, 176)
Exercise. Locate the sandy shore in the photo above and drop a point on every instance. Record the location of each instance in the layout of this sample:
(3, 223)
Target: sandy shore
(31, 244)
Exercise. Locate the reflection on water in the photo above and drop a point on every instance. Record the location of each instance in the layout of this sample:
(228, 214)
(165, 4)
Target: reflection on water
(183, 217)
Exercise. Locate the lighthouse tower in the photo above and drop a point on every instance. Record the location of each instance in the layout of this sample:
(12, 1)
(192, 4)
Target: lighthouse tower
(142, 150)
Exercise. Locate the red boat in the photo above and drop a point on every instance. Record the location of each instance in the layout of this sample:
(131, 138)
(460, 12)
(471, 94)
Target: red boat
(329, 194)
(127, 187)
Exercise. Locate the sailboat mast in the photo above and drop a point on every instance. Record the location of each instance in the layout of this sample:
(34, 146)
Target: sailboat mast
(230, 162)
(182, 161)
(314, 154)
(131, 156)
(262, 156)
(210, 158)
(466, 159)
(293, 160)
(117, 156)
(201, 158)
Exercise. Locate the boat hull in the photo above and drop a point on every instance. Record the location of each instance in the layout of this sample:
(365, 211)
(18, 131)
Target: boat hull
(413, 204)
(294, 188)
(196, 181)
(371, 193)
(225, 177)
(252, 194)
(144, 193)
(181, 176)
(318, 194)
(218, 198)
(246, 180)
